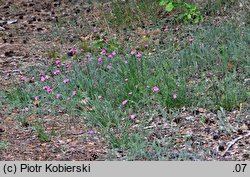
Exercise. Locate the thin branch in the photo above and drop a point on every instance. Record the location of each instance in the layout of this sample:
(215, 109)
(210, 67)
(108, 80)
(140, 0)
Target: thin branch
(234, 141)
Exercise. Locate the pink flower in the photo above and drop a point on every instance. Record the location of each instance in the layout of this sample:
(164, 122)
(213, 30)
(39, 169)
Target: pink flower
(43, 79)
(36, 98)
(68, 65)
(109, 66)
(132, 52)
(145, 45)
(56, 72)
(174, 96)
(110, 56)
(66, 81)
(126, 62)
(103, 52)
(58, 62)
(23, 78)
(68, 98)
(88, 56)
(166, 29)
(74, 93)
(132, 116)
(83, 61)
(58, 96)
(99, 97)
(190, 39)
(156, 89)
(82, 50)
(47, 88)
(139, 55)
(147, 86)
(113, 53)
(73, 51)
(99, 61)
(124, 102)
(91, 132)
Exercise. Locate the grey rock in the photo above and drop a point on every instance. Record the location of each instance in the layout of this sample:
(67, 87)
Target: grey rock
(11, 22)
(2, 29)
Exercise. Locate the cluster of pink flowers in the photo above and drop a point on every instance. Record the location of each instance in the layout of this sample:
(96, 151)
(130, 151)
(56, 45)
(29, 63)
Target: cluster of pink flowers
(135, 53)
(138, 55)
(47, 88)
(104, 52)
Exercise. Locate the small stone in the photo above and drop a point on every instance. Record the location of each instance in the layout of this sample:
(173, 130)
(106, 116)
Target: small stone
(190, 118)
(2, 28)
(11, 22)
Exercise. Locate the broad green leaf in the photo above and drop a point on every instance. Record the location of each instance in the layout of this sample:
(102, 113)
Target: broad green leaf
(169, 7)
(196, 20)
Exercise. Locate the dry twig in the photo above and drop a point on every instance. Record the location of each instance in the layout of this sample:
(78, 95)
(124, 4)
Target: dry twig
(234, 141)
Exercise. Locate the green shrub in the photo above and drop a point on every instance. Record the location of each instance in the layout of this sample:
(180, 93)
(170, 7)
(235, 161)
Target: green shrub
(189, 12)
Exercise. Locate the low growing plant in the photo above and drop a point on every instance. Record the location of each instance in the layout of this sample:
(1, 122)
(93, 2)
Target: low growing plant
(189, 12)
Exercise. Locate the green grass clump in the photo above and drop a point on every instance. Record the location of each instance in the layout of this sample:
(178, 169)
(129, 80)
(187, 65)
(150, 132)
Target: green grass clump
(136, 13)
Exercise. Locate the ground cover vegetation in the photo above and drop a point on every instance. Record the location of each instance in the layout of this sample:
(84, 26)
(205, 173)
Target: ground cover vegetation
(143, 80)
